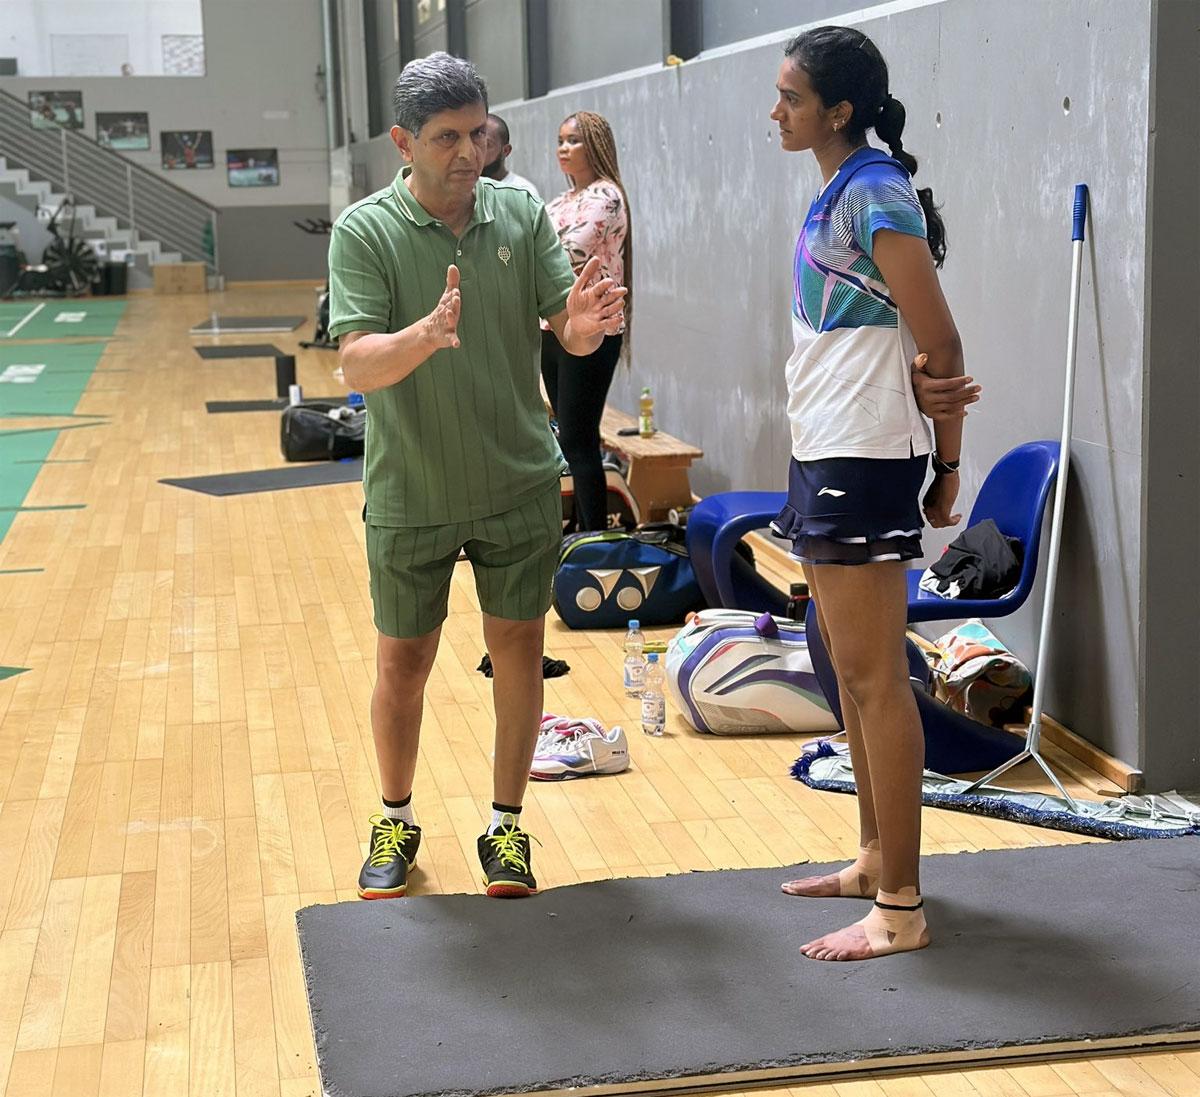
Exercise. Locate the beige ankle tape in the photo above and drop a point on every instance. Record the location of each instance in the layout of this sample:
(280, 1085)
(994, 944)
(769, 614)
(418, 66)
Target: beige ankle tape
(896, 922)
(861, 878)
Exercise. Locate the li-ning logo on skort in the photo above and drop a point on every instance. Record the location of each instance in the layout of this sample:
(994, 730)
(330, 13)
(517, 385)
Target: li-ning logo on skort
(830, 491)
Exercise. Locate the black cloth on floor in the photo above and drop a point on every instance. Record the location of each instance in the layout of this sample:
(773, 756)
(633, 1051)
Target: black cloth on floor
(982, 561)
(551, 668)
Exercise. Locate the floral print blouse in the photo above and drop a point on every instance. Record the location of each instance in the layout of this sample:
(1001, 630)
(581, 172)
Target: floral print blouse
(592, 221)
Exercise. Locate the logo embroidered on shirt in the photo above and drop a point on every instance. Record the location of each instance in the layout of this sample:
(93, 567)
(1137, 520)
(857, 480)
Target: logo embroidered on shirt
(830, 491)
(503, 254)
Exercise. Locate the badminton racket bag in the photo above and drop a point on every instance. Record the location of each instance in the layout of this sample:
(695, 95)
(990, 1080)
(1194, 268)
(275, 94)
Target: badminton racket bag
(733, 672)
(620, 506)
(605, 578)
(308, 432)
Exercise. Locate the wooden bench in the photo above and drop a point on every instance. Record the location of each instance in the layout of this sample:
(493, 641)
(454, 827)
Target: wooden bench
(658, 465)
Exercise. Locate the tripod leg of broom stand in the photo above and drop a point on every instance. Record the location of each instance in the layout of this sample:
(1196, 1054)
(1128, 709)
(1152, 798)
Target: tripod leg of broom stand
(1030, 752)
(1034, 731)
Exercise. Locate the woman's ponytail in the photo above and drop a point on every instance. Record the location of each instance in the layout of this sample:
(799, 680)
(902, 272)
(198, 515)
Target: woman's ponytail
(889, 126)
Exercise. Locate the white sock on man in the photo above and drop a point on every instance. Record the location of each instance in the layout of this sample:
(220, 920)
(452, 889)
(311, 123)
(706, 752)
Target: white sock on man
(400, 810)
(503, 817)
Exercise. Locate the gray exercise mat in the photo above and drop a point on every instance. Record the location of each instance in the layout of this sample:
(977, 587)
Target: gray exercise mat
(215, 325)
(218, 407)
(699, 976)
(240, 350)
(309, 475)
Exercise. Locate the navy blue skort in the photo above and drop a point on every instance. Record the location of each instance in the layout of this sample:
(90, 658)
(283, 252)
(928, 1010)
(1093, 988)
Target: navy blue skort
(854, 510)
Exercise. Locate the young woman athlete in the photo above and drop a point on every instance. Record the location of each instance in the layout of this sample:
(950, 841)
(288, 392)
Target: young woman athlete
(866, 300)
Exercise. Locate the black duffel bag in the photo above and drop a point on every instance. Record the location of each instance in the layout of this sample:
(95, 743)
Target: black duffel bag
(308, 432)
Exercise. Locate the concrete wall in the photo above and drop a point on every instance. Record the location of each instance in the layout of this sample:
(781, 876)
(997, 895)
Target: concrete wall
(1009, 105)
(1170, 596)
(590, 40)
(496, 43)
(259, 91)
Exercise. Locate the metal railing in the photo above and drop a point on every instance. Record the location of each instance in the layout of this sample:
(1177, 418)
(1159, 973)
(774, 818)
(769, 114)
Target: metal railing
(137, 198)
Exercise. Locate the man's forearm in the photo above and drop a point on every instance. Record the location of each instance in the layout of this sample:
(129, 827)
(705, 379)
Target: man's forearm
(578, 344)
(375, 361)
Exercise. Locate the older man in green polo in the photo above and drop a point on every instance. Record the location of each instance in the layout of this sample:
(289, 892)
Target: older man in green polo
(437, 284)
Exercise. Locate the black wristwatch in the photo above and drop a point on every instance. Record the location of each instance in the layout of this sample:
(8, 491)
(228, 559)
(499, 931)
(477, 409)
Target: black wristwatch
(944, 468)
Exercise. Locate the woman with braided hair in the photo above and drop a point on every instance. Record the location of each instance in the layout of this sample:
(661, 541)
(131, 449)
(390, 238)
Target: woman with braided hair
(866, 300)
(592, 219)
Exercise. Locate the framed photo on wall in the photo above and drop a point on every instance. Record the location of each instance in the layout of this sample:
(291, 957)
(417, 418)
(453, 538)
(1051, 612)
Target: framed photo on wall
(252, 167)
(186, 149)
(125, 131)
(50, 109)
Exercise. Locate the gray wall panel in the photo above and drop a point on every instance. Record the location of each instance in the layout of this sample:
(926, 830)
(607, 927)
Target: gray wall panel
(592, 40)
(1171, 599)
(263, 244)
(496, 43)
(727, 21)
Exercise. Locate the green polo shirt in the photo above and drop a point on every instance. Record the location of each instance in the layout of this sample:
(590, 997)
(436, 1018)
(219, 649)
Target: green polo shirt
(465, 435)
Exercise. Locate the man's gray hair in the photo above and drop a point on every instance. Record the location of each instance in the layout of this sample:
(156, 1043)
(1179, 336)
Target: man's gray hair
(428, 85)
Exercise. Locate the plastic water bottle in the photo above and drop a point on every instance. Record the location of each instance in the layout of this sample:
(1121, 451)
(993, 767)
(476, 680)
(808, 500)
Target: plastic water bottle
(654, 703)
(797, 605)
(355, 400)
(646, 414)
(635, 662)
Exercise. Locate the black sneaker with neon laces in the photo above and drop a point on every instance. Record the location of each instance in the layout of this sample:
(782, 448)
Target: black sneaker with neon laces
(505, 858)
(393, 853)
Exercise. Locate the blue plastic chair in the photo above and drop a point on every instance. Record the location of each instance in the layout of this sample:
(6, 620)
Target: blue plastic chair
(1014, 496)
(715, 526)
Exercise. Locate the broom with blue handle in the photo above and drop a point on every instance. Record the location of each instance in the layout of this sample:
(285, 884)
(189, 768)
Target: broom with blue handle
(1033, 736)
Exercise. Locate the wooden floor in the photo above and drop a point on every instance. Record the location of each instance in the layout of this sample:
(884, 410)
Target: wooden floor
(189, 760)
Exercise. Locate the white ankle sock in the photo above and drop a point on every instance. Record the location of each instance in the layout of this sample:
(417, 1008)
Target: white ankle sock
(402, 812)
(501, 819)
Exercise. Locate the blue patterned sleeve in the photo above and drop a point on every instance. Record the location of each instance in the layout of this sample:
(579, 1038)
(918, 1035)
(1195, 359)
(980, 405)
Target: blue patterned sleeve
(879, 197)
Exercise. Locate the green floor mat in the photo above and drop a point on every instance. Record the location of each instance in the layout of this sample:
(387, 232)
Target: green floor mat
(48, 379)
(11, 672)
(29, 318)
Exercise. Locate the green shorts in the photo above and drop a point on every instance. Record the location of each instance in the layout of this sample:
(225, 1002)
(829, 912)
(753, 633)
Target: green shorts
(513, 555)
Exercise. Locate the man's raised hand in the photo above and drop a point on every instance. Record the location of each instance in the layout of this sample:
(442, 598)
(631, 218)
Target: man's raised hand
(596, 305)
(441, 325)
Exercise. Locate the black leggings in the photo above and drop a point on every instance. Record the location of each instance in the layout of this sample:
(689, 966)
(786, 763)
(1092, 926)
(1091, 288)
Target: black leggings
(577, 388)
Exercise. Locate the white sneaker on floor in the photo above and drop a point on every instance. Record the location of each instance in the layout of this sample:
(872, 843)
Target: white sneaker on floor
(578, 748)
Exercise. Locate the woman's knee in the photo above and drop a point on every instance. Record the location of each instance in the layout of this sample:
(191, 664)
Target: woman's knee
(872, 682)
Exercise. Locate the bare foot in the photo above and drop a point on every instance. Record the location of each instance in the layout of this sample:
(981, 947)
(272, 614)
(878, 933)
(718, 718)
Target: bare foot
(858, 880)
(880, 933)
(831, 887)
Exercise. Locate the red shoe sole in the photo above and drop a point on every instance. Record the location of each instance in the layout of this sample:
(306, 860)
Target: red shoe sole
(382, 894)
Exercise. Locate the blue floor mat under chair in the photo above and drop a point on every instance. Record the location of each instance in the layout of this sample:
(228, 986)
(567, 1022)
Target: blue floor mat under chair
(1014, 495)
